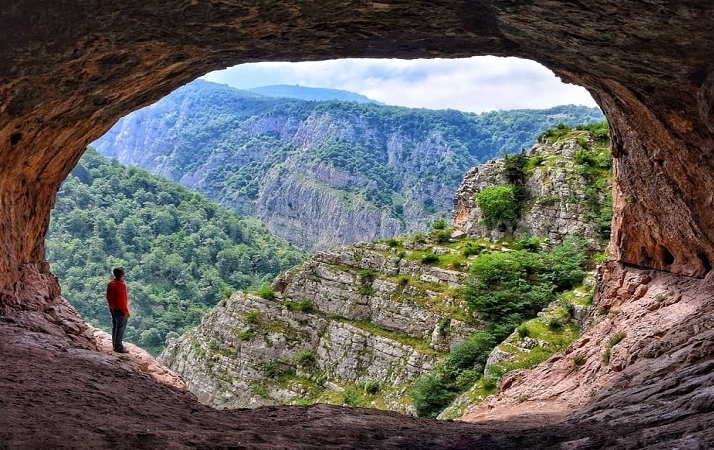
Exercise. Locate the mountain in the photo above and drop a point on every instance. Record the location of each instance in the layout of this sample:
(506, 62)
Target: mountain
(409, 323)
(182, 253)
(321, 173)
(310, 93)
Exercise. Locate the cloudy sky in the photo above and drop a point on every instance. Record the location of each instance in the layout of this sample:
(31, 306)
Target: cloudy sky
(474, 84)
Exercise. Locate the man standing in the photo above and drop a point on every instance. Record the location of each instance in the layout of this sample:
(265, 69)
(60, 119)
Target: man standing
(119, 308)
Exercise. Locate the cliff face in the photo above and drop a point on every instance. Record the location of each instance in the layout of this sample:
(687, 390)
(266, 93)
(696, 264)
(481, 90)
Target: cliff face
(368, 315)
(347, 319)
(561, 198)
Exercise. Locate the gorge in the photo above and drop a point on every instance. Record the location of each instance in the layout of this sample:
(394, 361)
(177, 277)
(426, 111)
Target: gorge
(69, 70)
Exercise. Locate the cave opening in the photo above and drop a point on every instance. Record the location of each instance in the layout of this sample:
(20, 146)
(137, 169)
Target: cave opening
(512, 79)
(57, 90)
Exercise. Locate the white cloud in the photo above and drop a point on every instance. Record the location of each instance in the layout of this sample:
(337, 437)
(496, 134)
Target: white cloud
(474, 84)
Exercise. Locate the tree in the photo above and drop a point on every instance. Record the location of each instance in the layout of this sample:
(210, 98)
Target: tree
(498, 205)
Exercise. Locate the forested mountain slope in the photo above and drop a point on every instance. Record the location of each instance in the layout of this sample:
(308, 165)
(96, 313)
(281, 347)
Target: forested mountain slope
(182, 252)
(321, 173)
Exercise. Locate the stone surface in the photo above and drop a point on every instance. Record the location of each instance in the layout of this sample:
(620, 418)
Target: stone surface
(556, 208)
(654, 375)
(358, 324)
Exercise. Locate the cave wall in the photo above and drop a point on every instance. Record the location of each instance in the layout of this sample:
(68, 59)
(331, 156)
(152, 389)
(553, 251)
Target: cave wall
(69, 69)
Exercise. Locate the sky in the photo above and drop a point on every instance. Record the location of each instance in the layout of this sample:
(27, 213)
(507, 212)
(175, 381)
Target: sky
(477, 84)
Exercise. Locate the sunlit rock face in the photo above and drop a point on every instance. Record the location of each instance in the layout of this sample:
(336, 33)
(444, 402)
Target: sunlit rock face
(69, 70)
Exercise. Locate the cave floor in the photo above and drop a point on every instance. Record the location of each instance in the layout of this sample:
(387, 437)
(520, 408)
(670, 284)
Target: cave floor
(59, 395)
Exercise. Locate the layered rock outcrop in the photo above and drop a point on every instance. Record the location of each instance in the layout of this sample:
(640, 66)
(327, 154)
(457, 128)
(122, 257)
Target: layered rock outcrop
(347, 317)
(556, 204)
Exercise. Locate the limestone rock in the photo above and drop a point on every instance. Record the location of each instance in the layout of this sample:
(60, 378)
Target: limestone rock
(342, 319)
(557, 207)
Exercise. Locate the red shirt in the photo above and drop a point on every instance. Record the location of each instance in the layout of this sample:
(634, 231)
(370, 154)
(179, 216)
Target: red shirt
(116, 296)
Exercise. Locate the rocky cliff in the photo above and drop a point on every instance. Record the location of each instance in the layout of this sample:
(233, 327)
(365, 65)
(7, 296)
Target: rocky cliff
(566, 184)
(354, 325)
(359, 325)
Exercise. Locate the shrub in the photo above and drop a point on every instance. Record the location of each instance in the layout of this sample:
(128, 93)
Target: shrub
(304, 305)
(578, 360)
(431, 394)
(252, 316)
(570, 309)
(508, 288)
(372, 387)
(245, 335)
(498, 205)
(306, 360)
(440, 236)
(585, 158)
(430, 258)
(467, 378)
(266, 292)
(473, 351)
(393, 242)
(438, 224)
(606, 356)
(616, 338)
(444, 325)
(490, 383)
(514, 167)
(555, 323)
(276, 369)
(470, 250)
(523, 331)
(366, 278)
(353, 397)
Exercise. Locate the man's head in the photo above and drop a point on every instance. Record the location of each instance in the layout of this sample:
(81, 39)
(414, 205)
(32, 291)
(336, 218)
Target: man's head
(118, 273)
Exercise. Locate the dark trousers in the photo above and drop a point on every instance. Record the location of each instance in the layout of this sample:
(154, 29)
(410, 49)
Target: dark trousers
(118, 328)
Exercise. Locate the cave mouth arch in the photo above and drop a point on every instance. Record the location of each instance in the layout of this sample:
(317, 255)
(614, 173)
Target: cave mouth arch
(63, 86)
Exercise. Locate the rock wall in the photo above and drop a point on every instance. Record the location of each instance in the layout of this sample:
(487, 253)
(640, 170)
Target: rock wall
(347, 317)
(645, 356)
(556, 207)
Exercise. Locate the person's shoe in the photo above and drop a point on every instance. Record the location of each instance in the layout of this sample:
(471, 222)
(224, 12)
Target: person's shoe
(121, 350)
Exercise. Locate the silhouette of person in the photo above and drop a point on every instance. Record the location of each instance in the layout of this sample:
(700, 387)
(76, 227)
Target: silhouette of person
(119, 308)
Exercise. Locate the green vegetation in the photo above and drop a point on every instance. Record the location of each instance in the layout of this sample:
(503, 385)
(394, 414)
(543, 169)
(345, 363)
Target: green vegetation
(506, 289)
(181, 252)
(454, 373)
(266, 292)
(304, 305)
(499, 206)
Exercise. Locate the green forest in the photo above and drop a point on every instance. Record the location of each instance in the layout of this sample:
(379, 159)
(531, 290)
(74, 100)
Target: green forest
(182, 253)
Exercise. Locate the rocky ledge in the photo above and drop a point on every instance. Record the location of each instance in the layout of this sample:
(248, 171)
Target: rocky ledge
(350, 317)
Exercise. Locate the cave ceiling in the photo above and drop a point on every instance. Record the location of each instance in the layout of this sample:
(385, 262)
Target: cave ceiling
(69, 69)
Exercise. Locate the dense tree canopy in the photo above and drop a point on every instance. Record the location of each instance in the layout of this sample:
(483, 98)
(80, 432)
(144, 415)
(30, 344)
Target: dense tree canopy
(182, 253)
